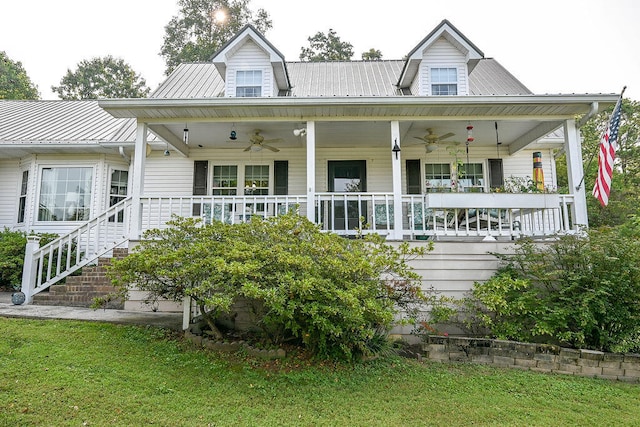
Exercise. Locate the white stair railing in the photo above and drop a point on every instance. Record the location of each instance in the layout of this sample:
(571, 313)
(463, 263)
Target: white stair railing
(46, 265)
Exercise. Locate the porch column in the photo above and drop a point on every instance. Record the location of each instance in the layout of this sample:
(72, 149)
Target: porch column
(137, 182)
(311, 171)
(30, 268)
(575, 173)
(396, 178)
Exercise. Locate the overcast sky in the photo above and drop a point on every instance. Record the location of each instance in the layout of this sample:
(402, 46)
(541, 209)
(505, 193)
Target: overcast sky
(552, 46)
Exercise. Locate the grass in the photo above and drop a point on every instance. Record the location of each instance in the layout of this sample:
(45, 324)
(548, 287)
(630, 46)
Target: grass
(58, 373)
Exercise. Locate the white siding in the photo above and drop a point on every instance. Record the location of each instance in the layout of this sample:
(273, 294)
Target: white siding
(443, 54)
(250, 56)
(10, 177)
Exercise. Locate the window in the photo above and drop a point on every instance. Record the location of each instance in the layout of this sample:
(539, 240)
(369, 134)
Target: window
(22, 202)
(225, 180)
(65, 194)
(256, 180)
(471, 178)
(444, 81)
(438, 177)
(118, 191)
(249, 83)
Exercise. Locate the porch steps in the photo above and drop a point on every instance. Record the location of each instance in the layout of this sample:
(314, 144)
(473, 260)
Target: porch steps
(80, 291)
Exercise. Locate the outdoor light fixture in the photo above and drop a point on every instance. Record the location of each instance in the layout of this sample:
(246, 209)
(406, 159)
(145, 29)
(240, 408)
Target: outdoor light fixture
(300, 132)
(233, 135)
(396, 148)
(166, 151)
(185, 135)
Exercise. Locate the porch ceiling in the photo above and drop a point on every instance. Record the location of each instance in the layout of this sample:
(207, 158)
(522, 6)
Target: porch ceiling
(358, 122)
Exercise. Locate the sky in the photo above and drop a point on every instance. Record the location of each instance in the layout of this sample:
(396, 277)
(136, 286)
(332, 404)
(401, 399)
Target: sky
(552, 46)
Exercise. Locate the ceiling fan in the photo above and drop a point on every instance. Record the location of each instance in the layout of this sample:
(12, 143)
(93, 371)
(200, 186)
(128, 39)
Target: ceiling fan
(257, 142)
(431, 139)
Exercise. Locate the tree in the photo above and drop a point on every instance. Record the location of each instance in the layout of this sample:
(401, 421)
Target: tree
(326, 47)
(202, 27)
(372, 55)
(337, 297)
(14, 81)
(625, 187)
(106, 77)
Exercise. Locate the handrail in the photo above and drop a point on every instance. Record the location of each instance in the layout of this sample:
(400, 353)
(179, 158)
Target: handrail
(77, 248)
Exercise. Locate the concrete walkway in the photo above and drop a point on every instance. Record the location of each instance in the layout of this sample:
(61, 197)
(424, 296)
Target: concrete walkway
(144, 318)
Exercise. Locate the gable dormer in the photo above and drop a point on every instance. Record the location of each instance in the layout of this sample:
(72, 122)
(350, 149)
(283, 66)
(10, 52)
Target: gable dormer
(251, 66)
(440, 63)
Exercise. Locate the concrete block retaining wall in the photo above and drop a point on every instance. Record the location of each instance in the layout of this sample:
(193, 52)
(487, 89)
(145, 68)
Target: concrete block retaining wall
(534, 357)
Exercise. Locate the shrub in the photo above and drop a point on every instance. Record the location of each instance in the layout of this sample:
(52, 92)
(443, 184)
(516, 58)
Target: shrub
(582, 291)
(334, 295)
(12, 246)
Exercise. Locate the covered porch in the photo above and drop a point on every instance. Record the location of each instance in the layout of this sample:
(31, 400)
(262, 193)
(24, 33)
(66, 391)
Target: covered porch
(407, 168)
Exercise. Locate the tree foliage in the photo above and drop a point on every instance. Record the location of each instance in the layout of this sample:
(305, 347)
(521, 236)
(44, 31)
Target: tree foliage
(202, 27)
(625, 187)
(326, 47)
(12, 247)
(372, 55)
(14, 81)
(335, 296)
(106, 77)
(579, 290)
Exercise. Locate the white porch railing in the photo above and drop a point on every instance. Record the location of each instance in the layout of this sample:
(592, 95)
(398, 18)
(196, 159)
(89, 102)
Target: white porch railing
(58, 259)
(488, 214)
(427, 215)
(156, 211)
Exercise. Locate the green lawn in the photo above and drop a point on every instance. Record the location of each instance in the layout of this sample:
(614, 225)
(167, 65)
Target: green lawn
(56, 373)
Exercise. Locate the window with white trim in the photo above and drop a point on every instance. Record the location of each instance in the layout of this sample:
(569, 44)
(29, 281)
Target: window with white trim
(437, 177)
(256, 180)
(225, 180)
(65, 194)
(22, 202)
(118, 191)
(444, 81)
(471, 177)
(248, 83)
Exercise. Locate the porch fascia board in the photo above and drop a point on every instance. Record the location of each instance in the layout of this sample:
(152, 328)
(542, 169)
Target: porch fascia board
(547, 107)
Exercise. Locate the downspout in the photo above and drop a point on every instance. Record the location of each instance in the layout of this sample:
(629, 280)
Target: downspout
(124, 155)
(592, 112)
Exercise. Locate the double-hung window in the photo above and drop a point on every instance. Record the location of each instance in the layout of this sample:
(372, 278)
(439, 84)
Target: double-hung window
(118, 191)
(444, 81)
(438, 177)
(22, 202)
(471, 177)
(248, 83)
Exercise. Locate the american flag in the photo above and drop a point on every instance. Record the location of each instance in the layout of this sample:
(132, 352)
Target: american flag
(606, 156)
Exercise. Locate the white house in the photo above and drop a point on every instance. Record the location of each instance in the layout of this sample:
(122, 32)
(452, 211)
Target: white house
(414, 149)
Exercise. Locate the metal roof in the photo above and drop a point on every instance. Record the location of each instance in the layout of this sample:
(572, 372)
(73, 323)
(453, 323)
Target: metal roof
(334, 79)
(192, 80)
(488, 77)
(57, 121)
(344, 78)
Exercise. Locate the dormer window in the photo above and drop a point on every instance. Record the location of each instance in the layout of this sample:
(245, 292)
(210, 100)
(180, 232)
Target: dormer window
(444, 81)
(249, 83)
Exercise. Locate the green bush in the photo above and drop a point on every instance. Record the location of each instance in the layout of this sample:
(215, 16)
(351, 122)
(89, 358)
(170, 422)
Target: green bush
(582, 291)
(336, 296)
(12, 245)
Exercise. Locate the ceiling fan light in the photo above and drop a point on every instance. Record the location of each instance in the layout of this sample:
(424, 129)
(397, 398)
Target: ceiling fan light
(256, 147)
(431, 147)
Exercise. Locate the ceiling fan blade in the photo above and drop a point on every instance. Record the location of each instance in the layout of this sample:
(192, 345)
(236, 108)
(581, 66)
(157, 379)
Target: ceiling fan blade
(268, 147)
(421, 138)
(446, 135)
(272, 141)
(248, 148)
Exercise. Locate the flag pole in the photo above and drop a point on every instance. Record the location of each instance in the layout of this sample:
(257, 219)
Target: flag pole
(595, 151)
